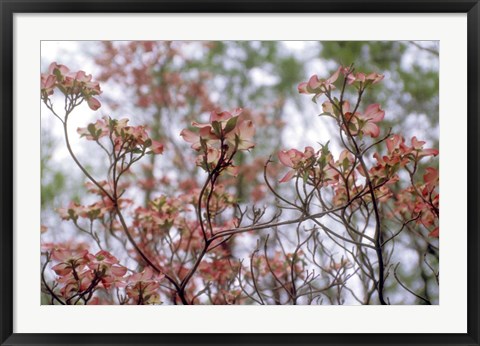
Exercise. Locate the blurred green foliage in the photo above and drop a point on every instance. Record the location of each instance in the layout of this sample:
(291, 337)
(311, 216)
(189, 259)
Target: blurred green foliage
(411, 85)
(52, 179)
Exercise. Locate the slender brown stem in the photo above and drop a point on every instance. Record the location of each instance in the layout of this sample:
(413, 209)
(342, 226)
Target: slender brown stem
(53, 294)
(359, 154)
(84, 171)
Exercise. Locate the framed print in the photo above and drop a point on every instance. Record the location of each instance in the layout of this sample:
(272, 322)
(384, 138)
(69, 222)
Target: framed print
(239, 173)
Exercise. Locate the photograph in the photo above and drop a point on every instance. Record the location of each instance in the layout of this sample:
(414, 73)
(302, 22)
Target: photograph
(239, 173)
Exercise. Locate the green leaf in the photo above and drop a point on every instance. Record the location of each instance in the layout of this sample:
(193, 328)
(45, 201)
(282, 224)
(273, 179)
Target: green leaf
(58, 74)
(345, 164)
(325, 149)
(231, 123)
(305, 177)
(92, 129)
(72, 214)
(112, 123)
(217, 128)
(93, 214)
(203, 144)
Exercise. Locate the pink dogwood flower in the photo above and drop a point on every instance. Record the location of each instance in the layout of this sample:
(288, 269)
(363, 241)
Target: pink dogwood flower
(319, 86)
(294, 159)
(242, 136)
(361, 77)
(47, 84)
(219, 140)
(417, 146)
(69, 260)
(70, 83)
(365, 123)
(107, 267)
(142, 287)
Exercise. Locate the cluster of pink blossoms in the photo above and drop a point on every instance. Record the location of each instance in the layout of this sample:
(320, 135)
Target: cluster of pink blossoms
(356, 124)
(93, 211)
(314, 167)
(143, 287)
(125, 138)
(80, 272)
(318, 86)
(160, 214)
(352, 121)
(422, 201)
(219, 140)
(71, 84)
(298, 162)
(319, 169)
(399, 155)
(416, 200)
(360, 123)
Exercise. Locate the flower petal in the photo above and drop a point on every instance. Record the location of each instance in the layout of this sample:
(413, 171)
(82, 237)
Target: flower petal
(287, 176)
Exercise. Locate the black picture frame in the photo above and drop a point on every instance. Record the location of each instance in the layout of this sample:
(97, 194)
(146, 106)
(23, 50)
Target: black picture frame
(10, 7)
